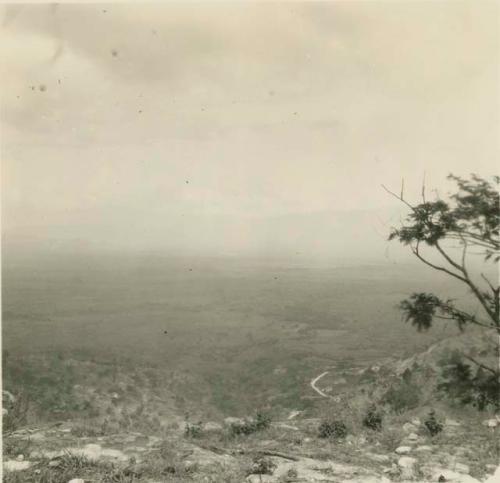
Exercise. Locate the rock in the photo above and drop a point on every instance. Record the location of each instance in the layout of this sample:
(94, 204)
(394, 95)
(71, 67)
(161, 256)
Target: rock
(407, 464)
(403, 450)
(206, 460)
(211, 427)
(367, 479)
(14, 465)
(76, 480)
(381, 458)
(495, 478)
(451, 422)
(284, 426)
(230, 421)
(313, 470)
(8, 397)
(461, 468)
(491, 467)
(96, 452)
(294, 414)
(490, 423)
(413, 436)
(358, 440)
(54, 463)
(260, 478)
(393, 470)
(424, 448)
(416, 422)
(452, 477)
(38, 437)
(20, 457)
(409, 428)
(4, 412)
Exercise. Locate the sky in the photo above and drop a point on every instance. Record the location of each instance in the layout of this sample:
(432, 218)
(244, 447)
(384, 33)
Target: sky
(240, 127)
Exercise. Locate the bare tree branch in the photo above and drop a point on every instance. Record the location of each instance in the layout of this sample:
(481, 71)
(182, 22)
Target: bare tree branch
(416, 252)
(487, 368)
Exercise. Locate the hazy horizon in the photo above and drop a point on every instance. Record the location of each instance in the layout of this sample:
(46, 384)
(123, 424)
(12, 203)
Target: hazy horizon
(246, 129)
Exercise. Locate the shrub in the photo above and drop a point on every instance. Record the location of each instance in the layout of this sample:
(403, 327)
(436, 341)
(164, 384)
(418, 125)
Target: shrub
(373, 419)
(332, 429)
(17, 408)
(402, 396)
(260, 422)
(469, 385)
(193, 430)
(262, 466)
(432, 424)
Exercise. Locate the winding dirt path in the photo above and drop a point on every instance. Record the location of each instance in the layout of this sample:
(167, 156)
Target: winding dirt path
(315, 380)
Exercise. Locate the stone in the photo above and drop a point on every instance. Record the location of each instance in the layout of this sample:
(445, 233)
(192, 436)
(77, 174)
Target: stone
(20, 457)
(96, 452)
(424, 448)
(14, 465)
(393, 470)
(413, 436)
(211, 427)
(4, 412)
(367, 479)
(416, 422)
(451, 422)
(8, 397)
(452, 477)
(461, 468)
(409, 428)
(381, 458)
(495, 478)
(260, 478)
(284, 426)
(490, 423)
(407, 464)
(230, 421)
(403, 450)
(76, 480)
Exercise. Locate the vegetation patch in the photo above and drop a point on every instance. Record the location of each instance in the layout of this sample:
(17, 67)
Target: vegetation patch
(332, 429)
(260, 422)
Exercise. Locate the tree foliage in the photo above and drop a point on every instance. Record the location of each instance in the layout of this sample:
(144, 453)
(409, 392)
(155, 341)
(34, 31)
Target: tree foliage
(466, 224)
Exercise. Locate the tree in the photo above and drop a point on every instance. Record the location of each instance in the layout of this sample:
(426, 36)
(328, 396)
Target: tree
(466, 224)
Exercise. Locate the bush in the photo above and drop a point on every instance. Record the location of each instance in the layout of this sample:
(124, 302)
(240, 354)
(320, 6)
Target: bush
(260, 422)
(16, 411)
(193, 430)
(373, 419)
(262, 466)
(402, 396)
(432, 424)
(332, 429)
(469, 385)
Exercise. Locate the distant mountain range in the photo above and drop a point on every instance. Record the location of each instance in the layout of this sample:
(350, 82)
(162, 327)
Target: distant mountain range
(328, 234)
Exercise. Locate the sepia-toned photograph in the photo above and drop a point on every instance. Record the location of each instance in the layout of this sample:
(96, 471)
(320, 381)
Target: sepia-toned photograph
(250, 241)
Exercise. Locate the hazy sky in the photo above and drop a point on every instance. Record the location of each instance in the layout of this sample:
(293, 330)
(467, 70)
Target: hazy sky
(119, 122)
